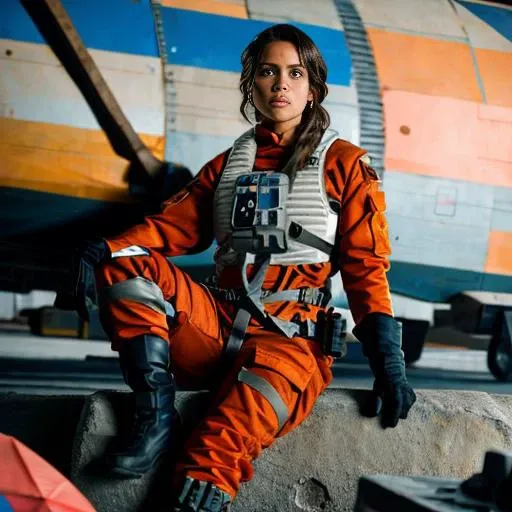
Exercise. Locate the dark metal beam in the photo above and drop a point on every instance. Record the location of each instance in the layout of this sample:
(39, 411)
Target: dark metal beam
(57, 28)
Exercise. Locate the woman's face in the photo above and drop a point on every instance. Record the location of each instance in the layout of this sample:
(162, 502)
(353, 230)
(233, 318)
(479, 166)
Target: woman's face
(281, 86)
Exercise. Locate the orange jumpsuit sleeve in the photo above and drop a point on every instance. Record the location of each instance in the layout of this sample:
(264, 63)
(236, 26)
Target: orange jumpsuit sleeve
(363, 242)
(185, 223)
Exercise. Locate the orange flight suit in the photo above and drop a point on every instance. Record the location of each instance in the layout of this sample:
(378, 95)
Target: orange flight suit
(241, 422)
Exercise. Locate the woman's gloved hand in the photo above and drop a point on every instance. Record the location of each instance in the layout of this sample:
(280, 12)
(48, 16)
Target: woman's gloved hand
(380, 336)
(81, 291)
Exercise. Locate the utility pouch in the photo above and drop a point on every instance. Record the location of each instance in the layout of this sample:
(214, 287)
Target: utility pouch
(331, 333)
(258, 217)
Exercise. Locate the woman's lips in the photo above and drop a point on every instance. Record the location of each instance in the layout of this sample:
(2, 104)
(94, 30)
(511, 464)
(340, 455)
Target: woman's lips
(279, 103)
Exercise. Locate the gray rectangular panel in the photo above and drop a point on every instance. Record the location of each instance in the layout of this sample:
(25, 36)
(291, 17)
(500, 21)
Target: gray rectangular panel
(437, 221)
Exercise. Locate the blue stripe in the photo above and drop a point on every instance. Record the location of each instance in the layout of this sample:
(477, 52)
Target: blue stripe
(438, 284)
(5, 505)
(114, 25)
(499, 18)
(193, 38)
(216, 42)
(24, 211)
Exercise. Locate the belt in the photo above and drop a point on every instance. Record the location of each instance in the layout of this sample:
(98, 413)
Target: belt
(305, 295)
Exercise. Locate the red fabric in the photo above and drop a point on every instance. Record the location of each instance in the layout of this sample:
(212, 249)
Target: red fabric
(31, 484)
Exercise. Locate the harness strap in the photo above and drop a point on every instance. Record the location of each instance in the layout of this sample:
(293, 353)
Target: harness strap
(314, 296)
(302, 235)
(236, 337)
(268, 391)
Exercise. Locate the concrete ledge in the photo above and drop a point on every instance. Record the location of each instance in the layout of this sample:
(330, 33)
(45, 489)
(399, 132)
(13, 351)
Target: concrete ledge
(316, 467)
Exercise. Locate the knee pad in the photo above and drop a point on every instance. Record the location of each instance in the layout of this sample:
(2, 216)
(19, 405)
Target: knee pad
(139, 289)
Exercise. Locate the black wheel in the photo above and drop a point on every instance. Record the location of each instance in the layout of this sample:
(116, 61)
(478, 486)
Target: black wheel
(499, 358)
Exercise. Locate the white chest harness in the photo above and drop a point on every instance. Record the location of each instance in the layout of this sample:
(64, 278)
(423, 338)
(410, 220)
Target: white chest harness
(306, 206)
(258, 221)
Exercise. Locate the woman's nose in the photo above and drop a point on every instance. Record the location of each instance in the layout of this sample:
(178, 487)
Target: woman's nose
(279, 85)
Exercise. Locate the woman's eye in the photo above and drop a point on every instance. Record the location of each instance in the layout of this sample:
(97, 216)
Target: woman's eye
(266, 72)
(296, 73)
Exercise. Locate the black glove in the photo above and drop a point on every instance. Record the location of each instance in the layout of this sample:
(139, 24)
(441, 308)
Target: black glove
(81, 291)
(380, 336)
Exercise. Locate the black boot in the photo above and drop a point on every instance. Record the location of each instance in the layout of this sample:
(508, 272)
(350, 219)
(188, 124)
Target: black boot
(145, 365)
(199, 496)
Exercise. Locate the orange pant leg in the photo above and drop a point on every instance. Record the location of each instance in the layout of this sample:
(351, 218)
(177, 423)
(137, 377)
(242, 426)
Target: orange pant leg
(242, 421)
(194, 333)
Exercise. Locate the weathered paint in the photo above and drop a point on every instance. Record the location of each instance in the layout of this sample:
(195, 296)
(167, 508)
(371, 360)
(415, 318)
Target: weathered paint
(64, 160)
(425, 136)
(440, 283)
(98, 22)
(435, 67)
(499, 251)
(233, 8)
(497, 83)
(482, 35)
(435, 221)
(35, 87)
(223, 54)
(502, 210)
(198, 111)
(323, 13)
(448, 179)
(497, 17)
(435, 18)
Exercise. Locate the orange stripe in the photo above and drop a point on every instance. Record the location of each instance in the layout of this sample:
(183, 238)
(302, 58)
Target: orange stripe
(420, 64)
(210, 7)
(64, 160)
(499, 249)
(448, 138)
(495, 68)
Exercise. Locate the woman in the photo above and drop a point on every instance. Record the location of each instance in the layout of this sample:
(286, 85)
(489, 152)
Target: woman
(280, 237)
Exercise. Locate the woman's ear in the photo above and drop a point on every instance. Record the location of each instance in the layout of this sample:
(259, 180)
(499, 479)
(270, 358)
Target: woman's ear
(311, 96)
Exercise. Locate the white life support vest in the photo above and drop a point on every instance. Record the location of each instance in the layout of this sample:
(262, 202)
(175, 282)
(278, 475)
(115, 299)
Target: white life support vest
(307, 204)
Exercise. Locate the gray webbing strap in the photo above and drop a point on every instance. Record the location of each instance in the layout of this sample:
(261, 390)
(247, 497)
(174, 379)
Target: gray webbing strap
(268, 391)
(253, 289)
(236, 338)
(302, 235)
(139, 290)
(305, 296)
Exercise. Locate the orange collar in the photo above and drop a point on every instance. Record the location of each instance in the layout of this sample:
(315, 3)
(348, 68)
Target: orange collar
(266, 137)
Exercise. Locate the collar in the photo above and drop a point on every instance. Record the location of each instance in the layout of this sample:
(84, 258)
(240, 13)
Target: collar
(266, 137)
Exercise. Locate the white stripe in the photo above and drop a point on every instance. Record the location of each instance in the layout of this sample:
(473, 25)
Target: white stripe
(435, 17)
(35, 87)
(208, 102)
(321, 13)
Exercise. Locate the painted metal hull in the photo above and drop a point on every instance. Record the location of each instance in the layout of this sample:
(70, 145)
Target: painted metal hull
(442, 103)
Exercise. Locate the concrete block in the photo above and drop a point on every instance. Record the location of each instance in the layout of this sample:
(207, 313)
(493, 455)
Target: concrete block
(316, 467)
(105, 414)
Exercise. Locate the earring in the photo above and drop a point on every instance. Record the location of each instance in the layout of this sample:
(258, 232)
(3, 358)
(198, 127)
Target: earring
(311, 104)
(250, 98)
